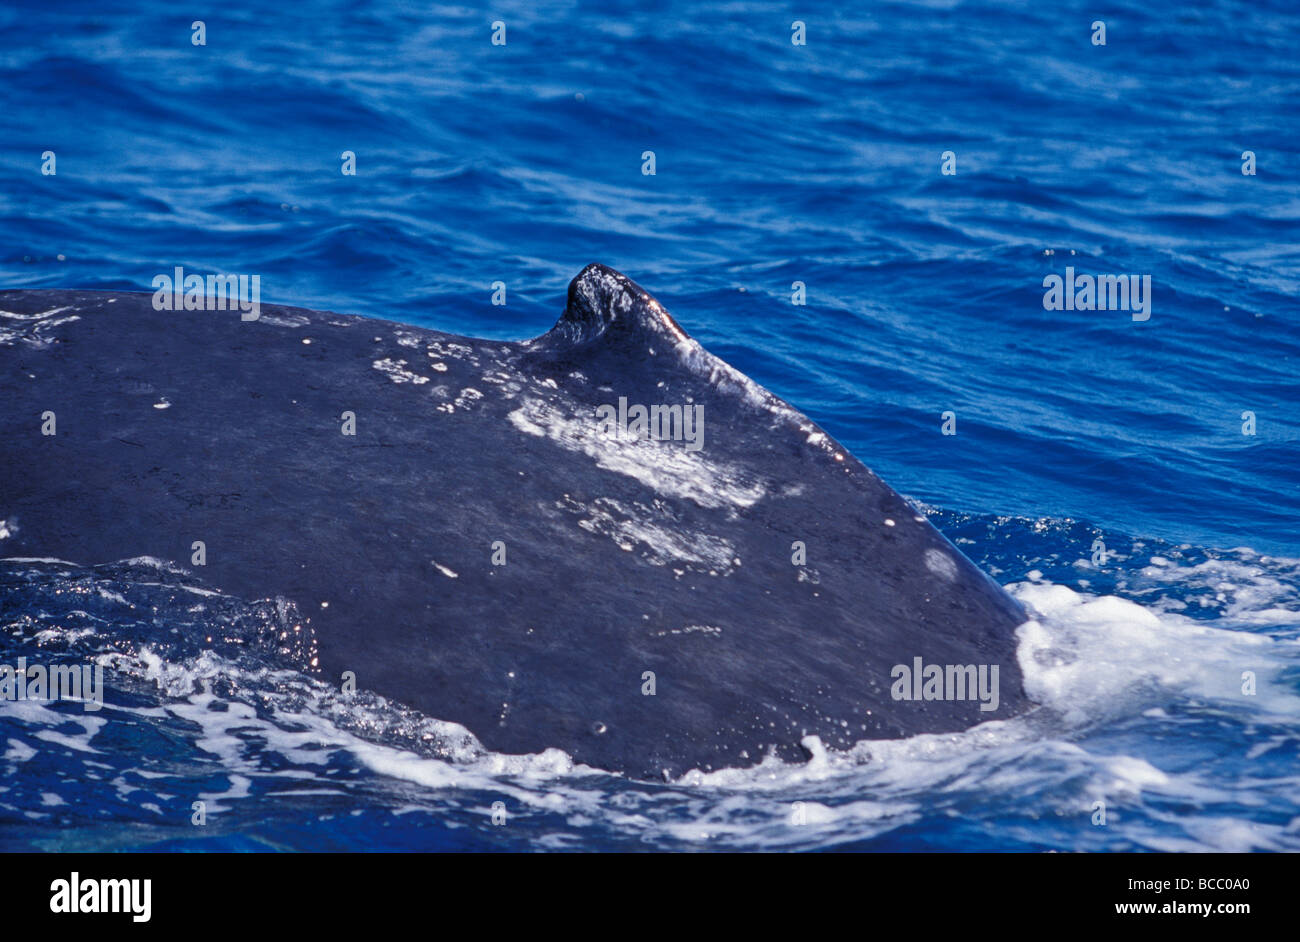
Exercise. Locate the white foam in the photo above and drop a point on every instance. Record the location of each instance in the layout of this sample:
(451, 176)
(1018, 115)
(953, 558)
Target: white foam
(1088, 659)
(1247, 587)
(18, 751)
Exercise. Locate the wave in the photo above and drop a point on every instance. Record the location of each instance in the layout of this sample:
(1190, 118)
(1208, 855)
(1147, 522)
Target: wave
(213, 699)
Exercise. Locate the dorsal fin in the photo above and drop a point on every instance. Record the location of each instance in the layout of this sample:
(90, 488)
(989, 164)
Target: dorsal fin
(610, 315)
(606, 303)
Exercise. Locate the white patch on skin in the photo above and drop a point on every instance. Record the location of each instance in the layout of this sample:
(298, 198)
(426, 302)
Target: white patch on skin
(35, 317)
(284, 320)
(941, 564)
(450, 350)
(664, 467)
(153, 562)
(37, 326)
(521, 421)
(468, 396)
(713, 630)
(443, 569)
(636, 525)
(7, 529)
(397, 372)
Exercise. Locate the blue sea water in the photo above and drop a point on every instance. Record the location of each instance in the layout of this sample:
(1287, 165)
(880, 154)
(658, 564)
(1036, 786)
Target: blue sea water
(1099, 467)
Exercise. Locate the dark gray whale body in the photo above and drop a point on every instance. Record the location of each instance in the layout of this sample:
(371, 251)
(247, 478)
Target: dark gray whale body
(652, 612)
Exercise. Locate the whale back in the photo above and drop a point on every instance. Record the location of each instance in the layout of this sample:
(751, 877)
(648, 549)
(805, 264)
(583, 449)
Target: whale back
(485, 531)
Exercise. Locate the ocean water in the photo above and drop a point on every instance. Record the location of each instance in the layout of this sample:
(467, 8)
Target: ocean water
(1101, 466)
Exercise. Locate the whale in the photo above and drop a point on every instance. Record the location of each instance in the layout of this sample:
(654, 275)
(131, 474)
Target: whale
(603, 540)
